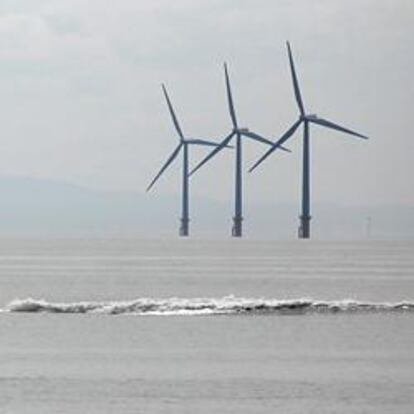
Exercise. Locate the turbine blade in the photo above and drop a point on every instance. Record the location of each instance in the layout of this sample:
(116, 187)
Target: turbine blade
(204, 142)
(172, 113)
(329, 124)
(256, 137)
(295, 81)
(165, 166)
(277, 144)
(259, 138)
(222, 145)
(230, 97)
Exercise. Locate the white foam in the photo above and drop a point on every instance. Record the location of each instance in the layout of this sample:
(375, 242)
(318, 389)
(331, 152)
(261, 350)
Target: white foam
(207, 306)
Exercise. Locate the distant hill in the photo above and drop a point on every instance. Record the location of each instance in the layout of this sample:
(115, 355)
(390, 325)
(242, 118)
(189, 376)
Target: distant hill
(33, 207)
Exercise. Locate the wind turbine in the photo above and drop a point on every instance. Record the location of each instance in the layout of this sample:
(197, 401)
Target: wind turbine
(306, 119)
(238, 133)
(183, 145)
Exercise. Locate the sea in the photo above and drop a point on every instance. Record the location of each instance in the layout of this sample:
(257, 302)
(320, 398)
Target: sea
(117, 326)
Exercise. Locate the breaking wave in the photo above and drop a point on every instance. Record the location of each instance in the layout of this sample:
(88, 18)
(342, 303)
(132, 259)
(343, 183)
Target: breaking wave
(207, 306)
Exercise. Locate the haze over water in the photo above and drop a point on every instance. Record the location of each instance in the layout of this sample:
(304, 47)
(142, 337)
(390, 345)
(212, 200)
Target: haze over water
(117, 326)
(127, 326)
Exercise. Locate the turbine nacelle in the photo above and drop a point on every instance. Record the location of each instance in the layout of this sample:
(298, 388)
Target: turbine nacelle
(306, 117)
(240, 130)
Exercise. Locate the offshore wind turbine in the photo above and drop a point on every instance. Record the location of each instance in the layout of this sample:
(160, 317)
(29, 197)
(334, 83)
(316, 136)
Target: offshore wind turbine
(183, 145)
(237, 132)
(305, 119)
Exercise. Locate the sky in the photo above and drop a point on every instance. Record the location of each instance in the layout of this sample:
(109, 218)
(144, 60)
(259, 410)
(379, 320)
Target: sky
(81, 100)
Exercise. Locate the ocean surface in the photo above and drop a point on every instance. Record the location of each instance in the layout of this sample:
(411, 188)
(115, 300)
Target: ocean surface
(192, 326)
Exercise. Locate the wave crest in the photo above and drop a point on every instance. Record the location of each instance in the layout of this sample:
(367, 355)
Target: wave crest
(207, 306)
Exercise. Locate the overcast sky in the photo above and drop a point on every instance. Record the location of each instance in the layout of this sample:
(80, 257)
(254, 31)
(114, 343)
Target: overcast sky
(81, 98)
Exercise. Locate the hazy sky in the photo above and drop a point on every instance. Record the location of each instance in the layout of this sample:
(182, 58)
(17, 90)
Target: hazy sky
(81, 98)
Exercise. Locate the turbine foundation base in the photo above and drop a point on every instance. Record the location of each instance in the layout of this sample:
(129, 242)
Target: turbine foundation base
(304, 227)
(185, 227)
(237, 230)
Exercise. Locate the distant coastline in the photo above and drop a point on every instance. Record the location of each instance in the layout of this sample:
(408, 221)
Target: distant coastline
(38, 207)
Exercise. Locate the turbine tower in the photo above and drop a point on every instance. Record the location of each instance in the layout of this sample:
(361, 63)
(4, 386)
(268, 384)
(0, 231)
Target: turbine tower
(305, 119)
(237, 132)
(183, 145)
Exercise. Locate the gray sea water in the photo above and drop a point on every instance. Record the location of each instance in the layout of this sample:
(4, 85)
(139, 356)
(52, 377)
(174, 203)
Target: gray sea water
(184, 326)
